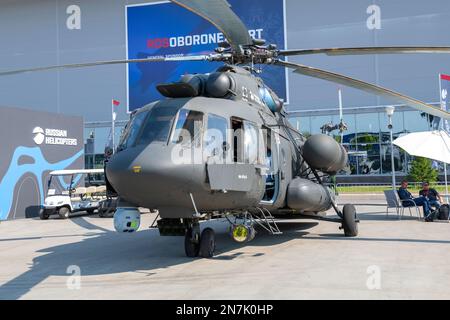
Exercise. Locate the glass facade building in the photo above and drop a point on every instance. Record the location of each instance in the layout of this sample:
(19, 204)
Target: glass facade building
(368, 138)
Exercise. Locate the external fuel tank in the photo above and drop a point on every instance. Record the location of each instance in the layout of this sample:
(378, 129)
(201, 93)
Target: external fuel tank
(323, 153)
(307, 196)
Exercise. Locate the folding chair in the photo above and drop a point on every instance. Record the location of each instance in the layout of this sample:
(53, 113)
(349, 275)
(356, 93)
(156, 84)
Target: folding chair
(393, 201)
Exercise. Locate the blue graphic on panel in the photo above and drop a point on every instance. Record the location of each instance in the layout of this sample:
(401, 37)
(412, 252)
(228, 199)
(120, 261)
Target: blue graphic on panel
(16, 171)
(165, 29)
(445, 98)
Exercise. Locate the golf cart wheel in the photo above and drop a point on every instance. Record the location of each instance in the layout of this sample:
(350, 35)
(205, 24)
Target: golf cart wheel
(101, 213)
(106, 213)
(64, 212)
(349, 221)
(43, 215)
(191, 244)
(207, 243)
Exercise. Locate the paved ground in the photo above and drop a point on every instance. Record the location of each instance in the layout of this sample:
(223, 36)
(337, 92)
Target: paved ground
(390, 259)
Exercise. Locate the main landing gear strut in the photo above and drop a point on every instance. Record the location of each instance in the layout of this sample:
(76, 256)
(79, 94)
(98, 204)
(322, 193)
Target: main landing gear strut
(198, 244)
(347, 217)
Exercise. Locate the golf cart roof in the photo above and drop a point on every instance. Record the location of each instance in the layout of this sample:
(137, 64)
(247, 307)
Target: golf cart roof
(73, 172)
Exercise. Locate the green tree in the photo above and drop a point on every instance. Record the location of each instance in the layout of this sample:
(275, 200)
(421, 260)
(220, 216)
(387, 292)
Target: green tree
(422, 170)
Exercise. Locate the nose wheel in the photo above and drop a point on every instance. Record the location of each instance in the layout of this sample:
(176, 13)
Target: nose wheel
(198, 244)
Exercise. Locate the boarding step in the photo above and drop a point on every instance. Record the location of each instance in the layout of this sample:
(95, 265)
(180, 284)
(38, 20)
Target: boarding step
(264, 219)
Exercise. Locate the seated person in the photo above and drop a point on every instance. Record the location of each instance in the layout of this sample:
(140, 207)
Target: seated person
(404, 194)
(433, 197)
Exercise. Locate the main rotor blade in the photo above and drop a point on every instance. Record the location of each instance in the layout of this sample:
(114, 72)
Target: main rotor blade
(365, 86)
(103, 63)
(219, 13)
(365, 50)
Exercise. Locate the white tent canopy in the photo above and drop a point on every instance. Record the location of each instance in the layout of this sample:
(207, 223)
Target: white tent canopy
(433, 145)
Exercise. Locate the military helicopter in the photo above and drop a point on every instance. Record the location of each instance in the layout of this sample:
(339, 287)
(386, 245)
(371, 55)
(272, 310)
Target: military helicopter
(220, 144)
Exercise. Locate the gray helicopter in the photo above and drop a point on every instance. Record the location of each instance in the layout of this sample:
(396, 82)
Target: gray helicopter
(220, 145)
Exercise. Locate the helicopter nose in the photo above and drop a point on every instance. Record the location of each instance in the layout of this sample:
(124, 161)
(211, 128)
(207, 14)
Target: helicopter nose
(147, 177)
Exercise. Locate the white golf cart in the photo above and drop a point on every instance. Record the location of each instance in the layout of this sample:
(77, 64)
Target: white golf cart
(63, 197)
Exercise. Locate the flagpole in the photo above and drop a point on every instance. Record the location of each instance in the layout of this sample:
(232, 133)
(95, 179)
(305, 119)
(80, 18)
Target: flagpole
(113, 129)
(443, 128)
(341, 115)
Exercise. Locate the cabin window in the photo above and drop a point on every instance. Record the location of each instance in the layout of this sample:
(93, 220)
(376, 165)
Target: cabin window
(216, 137)
(248, 142)
(157, 126)
(131, 132)
(188, 128)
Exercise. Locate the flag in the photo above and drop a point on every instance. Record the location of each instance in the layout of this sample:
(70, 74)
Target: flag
(115, 103)
(445, 98)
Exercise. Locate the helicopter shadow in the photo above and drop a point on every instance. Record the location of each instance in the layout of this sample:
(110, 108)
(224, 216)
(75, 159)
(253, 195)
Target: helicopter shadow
(107, 252)
(291, 230)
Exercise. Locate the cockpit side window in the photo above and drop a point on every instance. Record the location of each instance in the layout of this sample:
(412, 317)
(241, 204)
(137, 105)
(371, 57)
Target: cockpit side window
(132, 130)
(157, 125)
(188, 128)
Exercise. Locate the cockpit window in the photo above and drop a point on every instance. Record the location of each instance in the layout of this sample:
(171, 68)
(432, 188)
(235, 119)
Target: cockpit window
(157, 125)
(132, 130)
(188, 127)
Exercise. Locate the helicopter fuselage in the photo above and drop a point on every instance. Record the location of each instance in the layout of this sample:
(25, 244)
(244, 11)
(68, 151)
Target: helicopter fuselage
(226, 148)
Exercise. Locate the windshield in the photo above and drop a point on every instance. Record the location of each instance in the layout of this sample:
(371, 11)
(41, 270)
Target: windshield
(132, 130)
(188, 127)
(157, 125)
(61, 184)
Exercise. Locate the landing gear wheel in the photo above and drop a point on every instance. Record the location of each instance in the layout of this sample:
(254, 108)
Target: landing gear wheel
(64, 212)
(349, 222)
(207, 243)
(106, 213)
(43, 215)
(191, 243)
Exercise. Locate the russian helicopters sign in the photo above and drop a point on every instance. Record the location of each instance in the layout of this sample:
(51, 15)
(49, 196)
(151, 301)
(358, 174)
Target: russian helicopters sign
(166, 29)
(34, 144)
(53, 137)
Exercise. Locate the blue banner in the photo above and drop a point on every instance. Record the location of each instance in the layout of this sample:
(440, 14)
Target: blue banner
(165, 29)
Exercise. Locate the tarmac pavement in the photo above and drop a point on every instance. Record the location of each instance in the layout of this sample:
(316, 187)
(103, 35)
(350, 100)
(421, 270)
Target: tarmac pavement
(83, 258)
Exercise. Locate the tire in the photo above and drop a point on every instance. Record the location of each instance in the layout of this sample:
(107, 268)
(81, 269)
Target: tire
(43, 215)
(106, 213)
(207, 243)
(101, 213)
(349, 221)
(191, 248)
(64, 212)
(90, 211)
